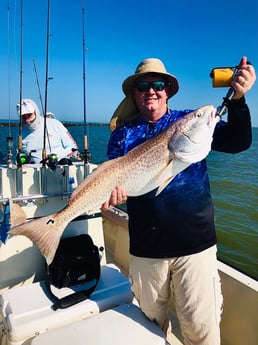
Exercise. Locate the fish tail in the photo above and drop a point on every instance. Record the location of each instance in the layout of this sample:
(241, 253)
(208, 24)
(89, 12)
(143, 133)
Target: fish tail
(17, 215)
(44, 232)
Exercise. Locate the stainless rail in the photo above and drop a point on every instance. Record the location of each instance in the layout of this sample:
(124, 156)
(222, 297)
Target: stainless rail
(35, 197)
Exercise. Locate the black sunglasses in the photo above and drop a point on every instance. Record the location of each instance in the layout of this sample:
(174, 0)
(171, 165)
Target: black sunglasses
(144, 86)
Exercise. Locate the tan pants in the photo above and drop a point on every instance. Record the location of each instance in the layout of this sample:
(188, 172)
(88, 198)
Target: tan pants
(196, 288)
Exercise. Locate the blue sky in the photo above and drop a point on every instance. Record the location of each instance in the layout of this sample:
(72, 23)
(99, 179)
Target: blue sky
(191, 37)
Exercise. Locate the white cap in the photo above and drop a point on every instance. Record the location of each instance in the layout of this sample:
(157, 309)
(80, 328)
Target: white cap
(27, 107)
(49, 114)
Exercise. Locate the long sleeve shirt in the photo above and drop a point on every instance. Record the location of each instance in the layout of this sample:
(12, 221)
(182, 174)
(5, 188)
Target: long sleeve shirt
(58, 140)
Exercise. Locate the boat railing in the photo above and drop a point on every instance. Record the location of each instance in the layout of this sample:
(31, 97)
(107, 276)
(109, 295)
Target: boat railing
(36, 197)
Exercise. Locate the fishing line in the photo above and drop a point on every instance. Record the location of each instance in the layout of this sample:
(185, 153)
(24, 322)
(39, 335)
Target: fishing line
(37, 82)
(41, 101)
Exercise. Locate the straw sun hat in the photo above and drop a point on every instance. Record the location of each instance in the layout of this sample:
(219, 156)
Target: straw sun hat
(127, 110)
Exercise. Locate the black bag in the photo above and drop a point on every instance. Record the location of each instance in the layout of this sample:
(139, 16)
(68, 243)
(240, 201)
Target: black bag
(76, 261)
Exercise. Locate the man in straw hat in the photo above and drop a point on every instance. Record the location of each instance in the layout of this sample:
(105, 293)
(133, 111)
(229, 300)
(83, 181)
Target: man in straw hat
(172, 236)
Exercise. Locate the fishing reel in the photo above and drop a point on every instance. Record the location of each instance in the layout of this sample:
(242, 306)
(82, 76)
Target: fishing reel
(222, 77)
(85, 156)
(24, 158)
(9, 140)
(52, 161)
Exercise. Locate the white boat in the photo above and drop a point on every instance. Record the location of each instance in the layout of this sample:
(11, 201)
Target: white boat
(110, 315)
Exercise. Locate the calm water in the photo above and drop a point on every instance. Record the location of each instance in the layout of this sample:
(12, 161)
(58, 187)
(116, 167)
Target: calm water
(234, 186)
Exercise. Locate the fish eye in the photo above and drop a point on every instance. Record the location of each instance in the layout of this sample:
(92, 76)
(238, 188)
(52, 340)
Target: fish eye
(199, 114)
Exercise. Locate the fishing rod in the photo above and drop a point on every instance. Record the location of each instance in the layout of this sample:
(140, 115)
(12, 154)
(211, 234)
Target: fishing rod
(9, 138)
(19, 161)
(21, 157)
(44, 152)
(86, 153)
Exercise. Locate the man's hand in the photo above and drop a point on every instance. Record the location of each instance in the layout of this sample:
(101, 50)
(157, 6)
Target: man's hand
(244, 79)
(118, 197)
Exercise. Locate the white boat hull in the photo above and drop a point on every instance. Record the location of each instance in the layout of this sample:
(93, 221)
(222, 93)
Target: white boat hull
(43, 192)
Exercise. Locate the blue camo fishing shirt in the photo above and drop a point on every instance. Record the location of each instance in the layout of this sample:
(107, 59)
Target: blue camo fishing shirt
(180, 220)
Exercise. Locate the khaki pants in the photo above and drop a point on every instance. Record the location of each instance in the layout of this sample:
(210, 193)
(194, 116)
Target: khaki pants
(196, 288)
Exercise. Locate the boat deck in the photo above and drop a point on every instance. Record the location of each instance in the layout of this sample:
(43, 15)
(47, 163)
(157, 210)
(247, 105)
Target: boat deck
(239, 290)
(174, 336)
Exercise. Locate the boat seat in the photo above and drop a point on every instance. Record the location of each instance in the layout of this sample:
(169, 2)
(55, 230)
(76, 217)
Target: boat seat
(125, 325)
(27, 310)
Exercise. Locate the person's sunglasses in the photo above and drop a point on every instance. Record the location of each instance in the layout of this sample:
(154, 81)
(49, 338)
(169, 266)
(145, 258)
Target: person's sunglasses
(144, 86)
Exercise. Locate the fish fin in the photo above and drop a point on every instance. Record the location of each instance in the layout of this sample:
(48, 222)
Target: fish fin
(169, 172)
(17, 215)
(165, 177)
(164, 185)
(179, 166)
(44, 232)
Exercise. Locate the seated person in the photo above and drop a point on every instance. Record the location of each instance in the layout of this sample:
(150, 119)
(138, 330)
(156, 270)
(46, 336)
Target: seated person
(58, 139)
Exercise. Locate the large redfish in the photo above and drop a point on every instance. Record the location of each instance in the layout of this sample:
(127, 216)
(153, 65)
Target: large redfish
(150, 165)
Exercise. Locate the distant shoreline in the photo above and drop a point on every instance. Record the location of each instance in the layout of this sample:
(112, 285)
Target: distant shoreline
(66, 124)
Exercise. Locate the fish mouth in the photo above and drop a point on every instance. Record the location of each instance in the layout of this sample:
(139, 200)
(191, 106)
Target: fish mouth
(214, 116)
